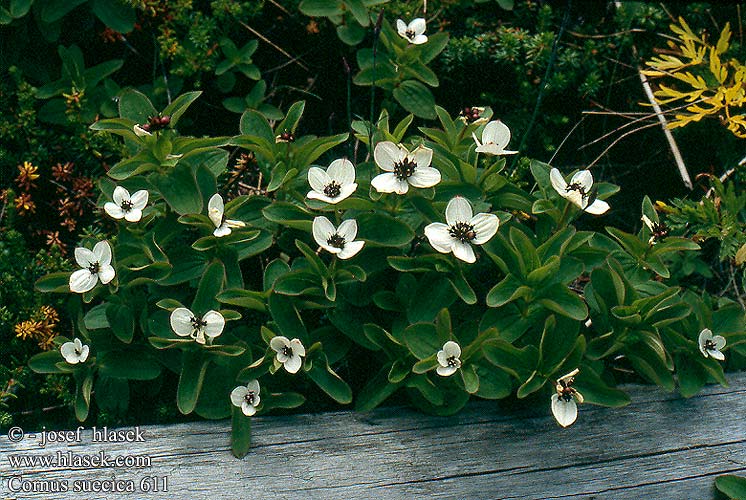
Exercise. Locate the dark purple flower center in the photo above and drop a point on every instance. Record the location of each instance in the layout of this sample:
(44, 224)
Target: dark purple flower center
(198, 323)
(410, 34)
(127, 205)
(462, 231)
(333, 189)
(94, 267)
(287, 351)
(576, 186)
(404, 169)
(336, 241)
(452, 361)
(710, 345)
(250, 397)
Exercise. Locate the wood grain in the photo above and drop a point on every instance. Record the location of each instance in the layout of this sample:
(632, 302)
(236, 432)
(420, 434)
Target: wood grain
(659, 447)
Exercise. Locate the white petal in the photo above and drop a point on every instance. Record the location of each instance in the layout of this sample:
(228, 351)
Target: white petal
(576, 199)
(474, 136)
(318, 179)
(422, 156)
(120, 195)
(424, 177)
(134, 215)
(222, 230)
(442, 358)
(485, 225)
(418, 26)
(558, 182)
(139, 199)
(82, 280)
(322, 229)
(401, 28)
(278, 343)
(719, 341)
(386, 183)
(293, 364)
(489, 148)
(238, 394)
(78, 344)
(181, 321)
(345, 192)
(297, 347)
(439, 237)
(598, 207)
(452, 349)
(84, 351)
(419, 39)
(215, 323)
(584, 178)
(113, 210)
(253, 386)
(331, 249)
(497, 133)
(248, 409)
(565, 412)
(351, 249)
(348, 230)
(402, 186)
(315, 195)
(234, 223)
(199, 336)
(458, 210)
(342, 171)
(464, 251)
(215, 209)
(387, 154)
(716, 354)
(84, 257)
(102, 251)
(106, 273)
(68, 352)
(646, 220)
(446, 371)
(140, 132)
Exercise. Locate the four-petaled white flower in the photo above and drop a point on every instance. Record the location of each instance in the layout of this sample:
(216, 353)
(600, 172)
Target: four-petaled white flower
(289, 352)
(448, 359)
(125, 206)
(341, 242)
(74, 352)
(187, 324)
(246, 397)
(403, 168)
(658, 230)
(462, 230)
(414, 32)
(711, 346)
(495, 138)
(333, 184)
(96, 266)
(564, 406)
(578, 191)
(216, 212)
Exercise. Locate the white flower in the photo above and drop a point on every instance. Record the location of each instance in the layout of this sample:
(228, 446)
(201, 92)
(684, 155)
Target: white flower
(186, 324)
(462, 229)
(578, 191)
(216, 212)
(333, 184)
(140, 131)
(658, 230)
(341, 242)
(564, 406)
(403, 168)
(288, 352)
(246, 397)
(711, 346)
(126, 206)
(495, 138)
(74, 352)
(414, 32)
(448, 359)
(96, 266)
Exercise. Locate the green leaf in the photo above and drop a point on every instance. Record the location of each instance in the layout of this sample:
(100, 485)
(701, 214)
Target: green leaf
(383, 230)
(415, 98)
(243, 298)
(240, 433)
(286, 316)
(290, 123)
(115, 14)
(329, 382)
(135, 106)
(377, 390)
(535, 382)
(434, 46)
(209, 287)
(54, 282)
(562, 300)
(493, 383)
(122, 322)
(422, 340)
(83, 387)
(732, 486)
(192, 376)
(179, 188)
(470, 379)
(179, 106)
(130, 365)
(54, 10)
(19, 8)
(321, 8)
(46, 362)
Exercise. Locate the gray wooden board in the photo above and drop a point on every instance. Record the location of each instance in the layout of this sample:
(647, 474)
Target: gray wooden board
(659, 447)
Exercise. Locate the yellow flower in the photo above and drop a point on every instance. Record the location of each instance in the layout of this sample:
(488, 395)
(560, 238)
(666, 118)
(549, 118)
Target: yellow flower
(28, 329)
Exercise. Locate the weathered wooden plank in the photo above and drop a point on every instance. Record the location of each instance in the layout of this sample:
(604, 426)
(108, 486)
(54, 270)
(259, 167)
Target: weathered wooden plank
(399, 453)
